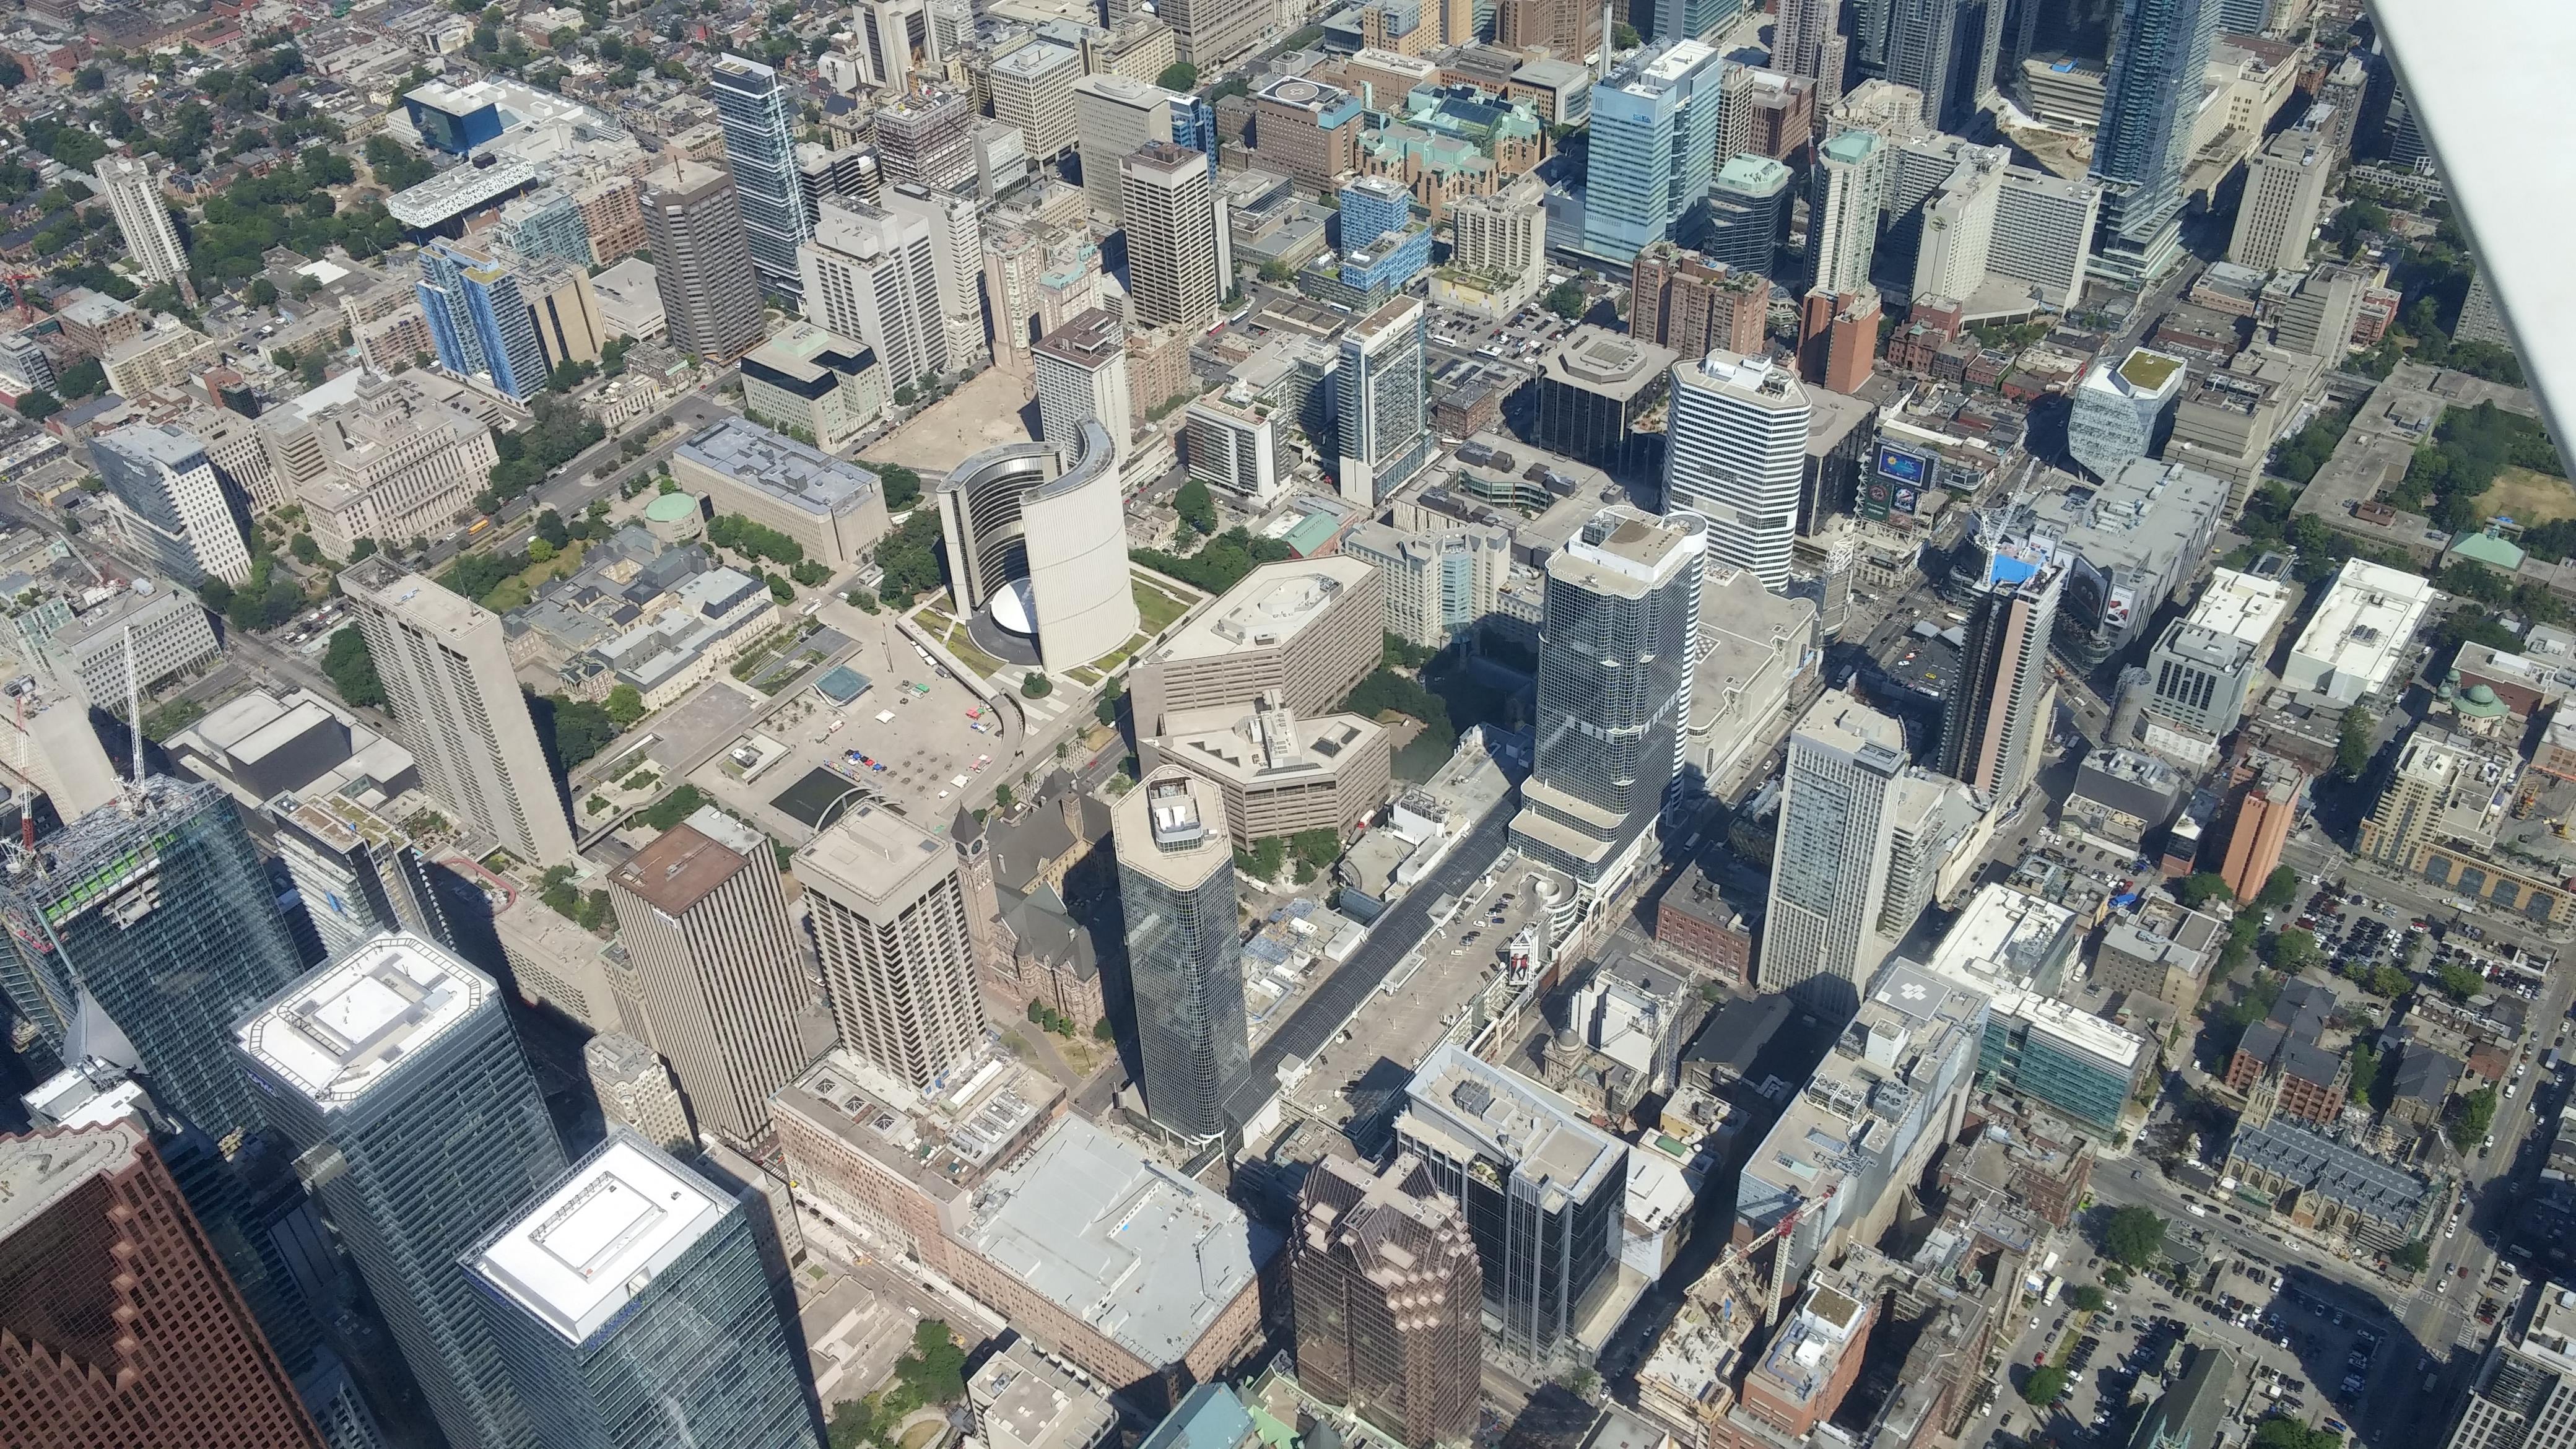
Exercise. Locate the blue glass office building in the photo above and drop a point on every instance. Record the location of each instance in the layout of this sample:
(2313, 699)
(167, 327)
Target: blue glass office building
(163, 916)
(1372, 207)
(2158, 50)
(394, 1074)
(1654, 149)
(631, 1310)
(760, 150)
(478, 320)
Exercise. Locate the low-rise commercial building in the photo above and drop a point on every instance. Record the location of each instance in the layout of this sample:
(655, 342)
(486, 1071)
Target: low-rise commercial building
(2360, 635)
(1757, 651)
(1305, 631)
(1438, 583)
(2163, 950)
(835, 509)
(814, 386)
(1278, 773)
(1136, 1274)
(2202, 672)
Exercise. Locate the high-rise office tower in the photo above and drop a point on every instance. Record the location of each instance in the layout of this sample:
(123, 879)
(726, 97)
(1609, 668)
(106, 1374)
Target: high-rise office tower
(1945, 49)
(1114, 118)
(1994, 720)
(1567, 29)
(1384, 417)
(1655, 123)
(896, 38)
(702, 263)
(143, 217)
(1388, 1296)
(1847, 191)
(2277, 216)
(1540, 1186)
(165, 483)
(2524, 1395)
(1617, 639)
(121, 1326)
(954, 220)
(477, 318)
(631, 1310)
(897, 951)
(157, 910)
(356, 872)
(1212, 34)
(874, 277)
(1809, 42)
(394, 1073)
(927, 138)
(1749, 202)
(703, 914)
(1081, 374)
(1830, 866)
(1184, 959)
(1735, 450)
(1173, 243)
(2159, 48)
(448, 682)
(753, 106)
(1033, 91)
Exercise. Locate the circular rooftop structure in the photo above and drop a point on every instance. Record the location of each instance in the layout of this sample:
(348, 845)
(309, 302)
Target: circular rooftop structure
(674, 517)
(1015, 608)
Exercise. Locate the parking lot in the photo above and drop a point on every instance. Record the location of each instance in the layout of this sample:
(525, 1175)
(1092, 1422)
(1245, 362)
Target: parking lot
(913, 741)
(2302, 1346)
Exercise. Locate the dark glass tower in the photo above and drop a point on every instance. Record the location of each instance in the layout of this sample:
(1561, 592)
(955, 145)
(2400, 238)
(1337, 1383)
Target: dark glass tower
(1184, 960)
(1541, 1189)
(632, 1312)
(1614, 672)
(760, 150)
(2158, 50)
(159, 911)
(394, 1073)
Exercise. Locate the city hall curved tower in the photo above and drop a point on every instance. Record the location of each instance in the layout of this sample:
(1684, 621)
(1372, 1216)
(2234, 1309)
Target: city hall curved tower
(1037, 534)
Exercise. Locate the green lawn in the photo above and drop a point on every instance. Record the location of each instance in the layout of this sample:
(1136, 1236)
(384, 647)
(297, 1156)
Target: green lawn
(1157, 608)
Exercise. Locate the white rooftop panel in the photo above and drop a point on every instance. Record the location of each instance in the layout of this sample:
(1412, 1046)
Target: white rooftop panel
(341, 1029)
(609, 1228)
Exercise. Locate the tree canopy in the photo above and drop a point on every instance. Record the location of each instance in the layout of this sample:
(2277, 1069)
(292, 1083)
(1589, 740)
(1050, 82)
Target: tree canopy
(2134, 1237)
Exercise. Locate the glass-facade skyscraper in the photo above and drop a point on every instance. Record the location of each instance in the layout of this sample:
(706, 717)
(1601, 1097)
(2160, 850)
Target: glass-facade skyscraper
(1384, 415)
(158, 911)
(1541, 1189)
(1617, 640)
(477, 319)
(2158, 50)
(394, 1073)
(631, 1310)
(1655, 123)
(1184, 960)
(760, 150)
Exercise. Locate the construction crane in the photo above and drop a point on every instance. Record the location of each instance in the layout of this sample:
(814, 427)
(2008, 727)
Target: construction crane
(1778, 1235)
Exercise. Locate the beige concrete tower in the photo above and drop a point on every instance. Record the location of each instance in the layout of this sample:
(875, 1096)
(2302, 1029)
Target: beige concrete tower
(898, 948)
(704, 918)
(702, 260)
(446, 669)
(1172, 242)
